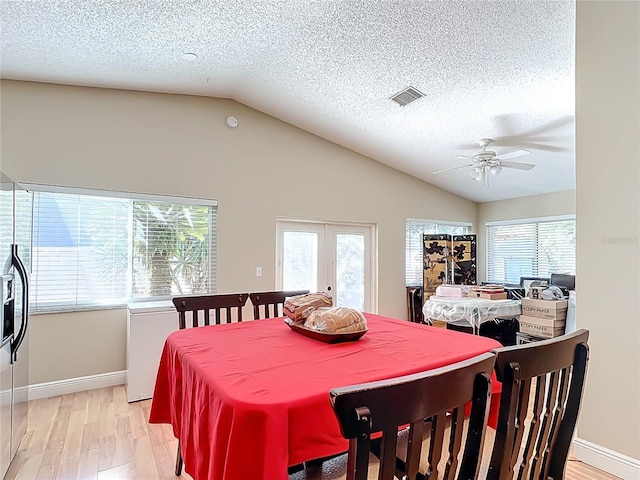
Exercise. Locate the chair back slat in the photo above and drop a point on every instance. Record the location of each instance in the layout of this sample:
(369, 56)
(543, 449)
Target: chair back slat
(543, 439)
(556, 406)
(457, 423)
(534, 428)
(553, 372)
(271, 304)
(409, 400)
(194, 306)
(474, 444)
(363, 444)
(388, 452)
(416, 432)
(455, 445)
(435, 447)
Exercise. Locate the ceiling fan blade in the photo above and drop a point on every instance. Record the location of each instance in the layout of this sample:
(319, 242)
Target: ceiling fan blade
(463, 156)
(507, 123)
(516, 154)
(453, 168)
(519, 166)
(542, 146)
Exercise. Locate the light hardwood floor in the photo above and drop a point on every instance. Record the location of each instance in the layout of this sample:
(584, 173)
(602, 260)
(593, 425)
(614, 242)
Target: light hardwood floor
(98, 435)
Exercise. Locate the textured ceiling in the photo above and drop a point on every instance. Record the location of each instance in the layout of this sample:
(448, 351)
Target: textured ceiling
(498, 69)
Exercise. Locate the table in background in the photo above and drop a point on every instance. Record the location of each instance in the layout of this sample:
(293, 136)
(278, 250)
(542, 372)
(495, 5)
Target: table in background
(249, 399)
(467, 311)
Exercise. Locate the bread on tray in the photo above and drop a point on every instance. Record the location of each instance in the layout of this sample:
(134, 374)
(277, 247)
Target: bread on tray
(299, 307)
(336, 320)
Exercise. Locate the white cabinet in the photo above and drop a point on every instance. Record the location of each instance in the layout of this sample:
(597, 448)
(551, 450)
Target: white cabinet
(148, 325)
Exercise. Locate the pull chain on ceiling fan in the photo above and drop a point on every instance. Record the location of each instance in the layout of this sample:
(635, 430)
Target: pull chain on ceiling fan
(488, 162)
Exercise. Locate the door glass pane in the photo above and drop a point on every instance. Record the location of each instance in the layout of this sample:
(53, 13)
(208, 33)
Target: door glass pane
(349, 271)
(300, 261)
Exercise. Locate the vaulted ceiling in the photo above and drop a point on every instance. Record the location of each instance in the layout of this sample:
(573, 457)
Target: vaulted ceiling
(488, 69)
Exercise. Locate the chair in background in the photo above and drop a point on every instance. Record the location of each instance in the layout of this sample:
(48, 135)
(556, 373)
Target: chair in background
(554, 372)
(218, 304)
(386, 405)
(414, 304)
(272, 303)
(207, 304)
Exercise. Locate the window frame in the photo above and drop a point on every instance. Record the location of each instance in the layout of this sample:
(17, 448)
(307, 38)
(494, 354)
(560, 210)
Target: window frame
(536, 221)
(131, 197)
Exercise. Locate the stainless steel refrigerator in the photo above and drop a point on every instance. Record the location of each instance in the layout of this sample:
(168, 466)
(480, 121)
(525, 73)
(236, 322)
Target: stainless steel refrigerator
(16, 215)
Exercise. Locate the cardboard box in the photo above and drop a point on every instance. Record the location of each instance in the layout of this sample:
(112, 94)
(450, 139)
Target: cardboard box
(545, 322)
(541, 327)
(488, 296)
(439, 323)
(549, 309)
(493, 296)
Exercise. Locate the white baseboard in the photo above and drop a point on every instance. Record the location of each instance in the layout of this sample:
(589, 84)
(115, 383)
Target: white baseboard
(612, 462)
(79, 384)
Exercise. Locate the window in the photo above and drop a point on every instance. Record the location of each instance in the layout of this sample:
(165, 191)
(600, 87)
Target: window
(95, 248)
(413, 243)
(533, 248)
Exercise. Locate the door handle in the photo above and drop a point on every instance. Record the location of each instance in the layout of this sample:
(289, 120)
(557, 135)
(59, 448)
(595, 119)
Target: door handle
(16, 262)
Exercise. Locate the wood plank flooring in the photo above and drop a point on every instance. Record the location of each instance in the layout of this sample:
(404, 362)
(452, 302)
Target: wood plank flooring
(96, 434)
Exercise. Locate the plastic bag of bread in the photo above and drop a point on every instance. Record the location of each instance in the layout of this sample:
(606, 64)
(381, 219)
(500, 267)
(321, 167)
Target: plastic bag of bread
(299, 307)
(336, 320)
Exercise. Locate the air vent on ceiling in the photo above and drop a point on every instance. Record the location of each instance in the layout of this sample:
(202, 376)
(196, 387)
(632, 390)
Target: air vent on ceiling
(407, 96)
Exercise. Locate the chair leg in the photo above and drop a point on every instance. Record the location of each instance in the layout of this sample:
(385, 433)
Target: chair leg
(179, 462)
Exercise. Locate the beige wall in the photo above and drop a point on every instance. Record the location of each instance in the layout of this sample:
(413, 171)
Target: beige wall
(608, 219)
(537, 206)
(72, 345)
(179, 145)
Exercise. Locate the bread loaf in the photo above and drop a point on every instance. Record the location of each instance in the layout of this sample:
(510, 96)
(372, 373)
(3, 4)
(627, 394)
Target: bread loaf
(299, 307)
(336, 320)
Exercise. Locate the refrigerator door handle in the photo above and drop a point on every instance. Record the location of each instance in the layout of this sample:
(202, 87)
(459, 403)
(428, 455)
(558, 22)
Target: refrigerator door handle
(24, 276)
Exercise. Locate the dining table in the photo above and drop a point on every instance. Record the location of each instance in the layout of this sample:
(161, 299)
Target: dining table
(247, 400)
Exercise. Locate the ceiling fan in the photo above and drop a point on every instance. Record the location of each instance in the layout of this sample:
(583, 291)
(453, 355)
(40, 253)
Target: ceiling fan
(487, 161)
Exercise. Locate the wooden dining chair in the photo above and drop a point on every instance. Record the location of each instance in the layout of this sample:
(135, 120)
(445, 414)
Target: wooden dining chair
(542, 385)
(215, 310)
(212, 307)
(439, 395)
(271, 304)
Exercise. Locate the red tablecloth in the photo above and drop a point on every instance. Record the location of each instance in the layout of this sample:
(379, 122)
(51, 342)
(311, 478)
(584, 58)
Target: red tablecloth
(249, 399)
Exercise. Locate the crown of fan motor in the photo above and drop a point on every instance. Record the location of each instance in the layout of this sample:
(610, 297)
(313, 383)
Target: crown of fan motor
(484, 156)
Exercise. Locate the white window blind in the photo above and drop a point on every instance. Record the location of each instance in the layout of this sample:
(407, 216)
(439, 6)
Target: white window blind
(92, 250)
(531, 249)
(171, 249)
(413, 243)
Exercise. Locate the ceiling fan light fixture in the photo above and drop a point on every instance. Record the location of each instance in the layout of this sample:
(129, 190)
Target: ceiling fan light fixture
(476, 173)
(495, 169)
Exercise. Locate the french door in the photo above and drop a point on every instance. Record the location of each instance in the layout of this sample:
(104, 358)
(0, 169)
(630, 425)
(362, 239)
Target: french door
(330, 257)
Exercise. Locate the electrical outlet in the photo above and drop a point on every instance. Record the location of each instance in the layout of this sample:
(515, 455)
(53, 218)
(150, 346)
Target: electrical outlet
(258, 271)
